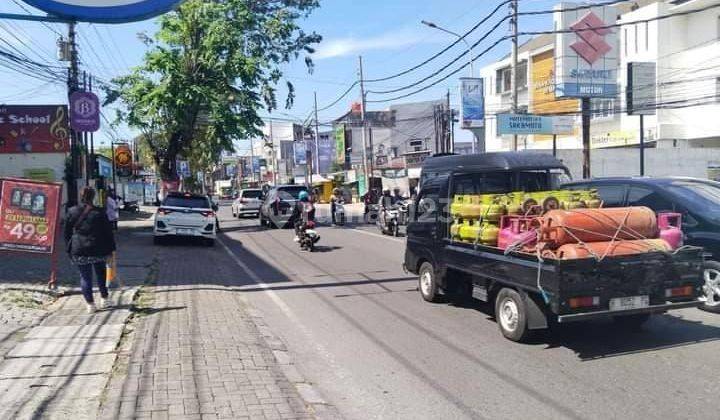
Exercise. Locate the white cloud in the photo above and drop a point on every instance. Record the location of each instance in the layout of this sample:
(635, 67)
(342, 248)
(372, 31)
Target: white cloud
(353, 45)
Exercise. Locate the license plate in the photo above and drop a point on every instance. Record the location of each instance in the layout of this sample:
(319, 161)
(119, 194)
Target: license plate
(629, 302)
(185, 232)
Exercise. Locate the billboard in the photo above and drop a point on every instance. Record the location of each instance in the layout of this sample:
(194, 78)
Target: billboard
(84, 112)
(641, 93)
(34, 129)
(586, 51)
(105, 11)
(542, 82)
(123, 160)
(534, 124)
(340, 144)
(300, 153)
(326, 154)
(473, 102)
(29, 214)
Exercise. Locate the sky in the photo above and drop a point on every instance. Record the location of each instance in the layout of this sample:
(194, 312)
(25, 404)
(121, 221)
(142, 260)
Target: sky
(387, 33)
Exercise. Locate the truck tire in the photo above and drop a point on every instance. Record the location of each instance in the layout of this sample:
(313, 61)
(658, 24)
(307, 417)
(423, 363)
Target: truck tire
(631, 322)
(428, 285)
(711, 274)
(511, 315)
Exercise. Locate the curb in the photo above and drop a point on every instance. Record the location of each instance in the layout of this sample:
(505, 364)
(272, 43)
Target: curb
(309, 393)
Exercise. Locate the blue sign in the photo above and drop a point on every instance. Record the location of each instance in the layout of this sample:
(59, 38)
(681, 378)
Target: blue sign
(299, 153)
(534, 124)
(105, 11)
(105, 167)
(473, 103)
(256, 164)
(326, 155)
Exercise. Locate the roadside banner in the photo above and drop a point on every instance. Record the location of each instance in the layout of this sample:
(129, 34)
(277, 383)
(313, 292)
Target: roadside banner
(641, 88)
(473, 102)
(340, 144)
(534, 124)
(299, 154)
(123, 160)
(34, 129)
(84, 111)
(29, 215)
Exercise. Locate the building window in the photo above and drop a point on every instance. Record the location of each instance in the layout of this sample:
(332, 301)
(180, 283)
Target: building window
(647, 36)
(717, 89)
(522, 70)
(636, 39)
(503, 81)
(416, 145)
(718, 27)
(625, 35)
(603, 108)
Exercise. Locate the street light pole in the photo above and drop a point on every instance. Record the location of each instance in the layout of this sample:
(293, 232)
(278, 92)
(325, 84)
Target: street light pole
(514, 63)
(471, 59)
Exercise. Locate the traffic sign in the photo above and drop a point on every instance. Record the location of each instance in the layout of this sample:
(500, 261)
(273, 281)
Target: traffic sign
(105, 11)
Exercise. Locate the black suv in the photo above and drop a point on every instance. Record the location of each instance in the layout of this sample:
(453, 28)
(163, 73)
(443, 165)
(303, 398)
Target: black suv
(698, 200)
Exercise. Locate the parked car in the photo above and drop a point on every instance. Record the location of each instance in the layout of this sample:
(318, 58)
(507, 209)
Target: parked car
(186, 215)
(698, 200)
(247, 203)
(529, 292)
(276, 209)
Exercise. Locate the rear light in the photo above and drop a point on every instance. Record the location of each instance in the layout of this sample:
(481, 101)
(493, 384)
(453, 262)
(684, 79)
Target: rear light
(679, 291)
(584, 302)
(207, 213)
(164, 212)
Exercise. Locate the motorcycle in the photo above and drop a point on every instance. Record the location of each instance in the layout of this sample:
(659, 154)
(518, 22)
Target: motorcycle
(340, 213)
(395, 216)
(372, 214)
(131, 206)
(308, 237)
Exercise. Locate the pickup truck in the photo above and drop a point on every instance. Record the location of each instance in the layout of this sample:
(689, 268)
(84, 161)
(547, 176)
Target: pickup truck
(531, 293)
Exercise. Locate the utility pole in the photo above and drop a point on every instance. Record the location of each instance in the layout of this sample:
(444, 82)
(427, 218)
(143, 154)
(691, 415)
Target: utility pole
(317, 138)
(514, 63)
(362, 126)
(274, 155)
(449, 146)
(72, 87)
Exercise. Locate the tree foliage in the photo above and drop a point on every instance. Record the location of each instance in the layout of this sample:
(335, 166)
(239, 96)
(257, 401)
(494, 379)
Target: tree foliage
(211, 67)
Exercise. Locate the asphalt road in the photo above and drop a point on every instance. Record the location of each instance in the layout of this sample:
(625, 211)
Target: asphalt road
(360, 331)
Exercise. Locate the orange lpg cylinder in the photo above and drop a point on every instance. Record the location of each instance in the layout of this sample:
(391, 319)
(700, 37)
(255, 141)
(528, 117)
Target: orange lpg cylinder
(562, 227)
(611, 248)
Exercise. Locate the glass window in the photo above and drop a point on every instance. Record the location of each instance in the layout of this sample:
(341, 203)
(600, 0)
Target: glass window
(293, 191)
(465, 184)
(252, 194)
(642, 196)
(428, 205)
(522, 74)
(187, 202)
(611, 195)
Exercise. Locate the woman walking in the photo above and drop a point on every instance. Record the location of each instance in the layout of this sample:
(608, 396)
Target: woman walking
(90, 240)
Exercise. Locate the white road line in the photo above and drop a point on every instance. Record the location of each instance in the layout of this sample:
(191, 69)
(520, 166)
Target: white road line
(378, 235)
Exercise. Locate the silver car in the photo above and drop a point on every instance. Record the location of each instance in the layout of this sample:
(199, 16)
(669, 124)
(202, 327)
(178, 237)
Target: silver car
(247, 203)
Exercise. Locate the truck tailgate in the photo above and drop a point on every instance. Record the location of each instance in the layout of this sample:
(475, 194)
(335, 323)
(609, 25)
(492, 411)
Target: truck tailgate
(644, 283)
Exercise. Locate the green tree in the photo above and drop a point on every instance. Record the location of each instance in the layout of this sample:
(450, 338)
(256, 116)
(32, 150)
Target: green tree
(209, 70)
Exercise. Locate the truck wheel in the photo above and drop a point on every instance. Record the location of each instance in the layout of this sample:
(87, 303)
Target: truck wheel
(428, 283)
(631, 322)
(711, 273)
(511, 315)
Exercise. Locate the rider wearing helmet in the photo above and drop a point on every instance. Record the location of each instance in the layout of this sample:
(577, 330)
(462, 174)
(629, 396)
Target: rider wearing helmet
(397, 197)
(303, 212)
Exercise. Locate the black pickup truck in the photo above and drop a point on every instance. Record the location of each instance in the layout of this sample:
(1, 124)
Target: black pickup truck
(530, 293)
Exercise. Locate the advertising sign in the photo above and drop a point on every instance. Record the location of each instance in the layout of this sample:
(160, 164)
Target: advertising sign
(123, 160)
(613, 139)
(84, 112)
(106, 11)
(183, 169)
(641, 92)
(533, 124)
(29, 213)
(104, 167)
(40, 174)
(586, 52)
(34, 129)
(340, 144)
(326, 155)
(299, 153)
(473, 102)
(256, 164)
(542, 82)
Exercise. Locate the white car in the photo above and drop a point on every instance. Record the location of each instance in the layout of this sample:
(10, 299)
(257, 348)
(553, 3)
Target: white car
(186, 215)
(248, 203)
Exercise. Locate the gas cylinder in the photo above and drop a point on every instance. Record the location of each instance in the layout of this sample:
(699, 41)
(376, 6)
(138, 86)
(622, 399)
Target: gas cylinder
(515, 230)
(590, 198)
(491, 207)
(457, 206)
(482, 233)
(562, 227)
(670, 225)
(455, 229)
(611, 248)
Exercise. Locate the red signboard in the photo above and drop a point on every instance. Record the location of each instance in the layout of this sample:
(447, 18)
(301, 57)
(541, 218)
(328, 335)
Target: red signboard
(34, 129)
(29, 213)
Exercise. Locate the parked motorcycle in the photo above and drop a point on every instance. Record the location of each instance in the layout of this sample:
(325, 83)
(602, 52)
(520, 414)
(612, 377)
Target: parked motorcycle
(308, 237)
(131, 206)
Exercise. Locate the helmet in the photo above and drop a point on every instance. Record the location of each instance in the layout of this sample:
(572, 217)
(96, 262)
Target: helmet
(386, 191)
(396, 189)
(336, 191)
(303, 196)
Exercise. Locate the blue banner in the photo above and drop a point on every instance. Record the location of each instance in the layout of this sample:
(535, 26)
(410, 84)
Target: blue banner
(326, 155)
(523, 124)
(473, 102)
(300, 152)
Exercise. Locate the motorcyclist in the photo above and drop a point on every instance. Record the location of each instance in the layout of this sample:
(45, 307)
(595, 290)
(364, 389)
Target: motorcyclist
(386, 203)
(337, 198)
(369, 199)
(303, 212)
(397, 198)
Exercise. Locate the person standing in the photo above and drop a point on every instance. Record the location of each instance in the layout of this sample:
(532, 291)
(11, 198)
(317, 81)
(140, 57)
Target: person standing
(112, 208)
(337, 198)
(90, 242)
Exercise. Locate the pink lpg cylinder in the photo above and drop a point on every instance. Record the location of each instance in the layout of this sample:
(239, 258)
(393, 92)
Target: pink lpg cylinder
(516, 229)
(670, 225)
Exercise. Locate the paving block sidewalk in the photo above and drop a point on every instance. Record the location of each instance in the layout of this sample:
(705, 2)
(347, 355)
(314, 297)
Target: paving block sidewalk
(199, 354)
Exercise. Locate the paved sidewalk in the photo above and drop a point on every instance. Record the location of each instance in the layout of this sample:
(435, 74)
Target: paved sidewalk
(198, 354)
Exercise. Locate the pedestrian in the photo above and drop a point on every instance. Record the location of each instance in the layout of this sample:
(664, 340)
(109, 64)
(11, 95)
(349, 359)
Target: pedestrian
(112, 208)
(90, 242)
(337, 198)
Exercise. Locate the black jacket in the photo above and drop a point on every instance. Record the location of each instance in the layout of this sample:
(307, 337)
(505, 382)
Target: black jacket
(92, 236)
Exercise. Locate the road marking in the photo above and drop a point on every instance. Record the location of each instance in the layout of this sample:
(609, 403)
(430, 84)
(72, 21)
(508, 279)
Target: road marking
(364, 232)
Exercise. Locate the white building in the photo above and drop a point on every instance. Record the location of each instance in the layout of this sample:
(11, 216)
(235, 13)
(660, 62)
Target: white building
(686, 50)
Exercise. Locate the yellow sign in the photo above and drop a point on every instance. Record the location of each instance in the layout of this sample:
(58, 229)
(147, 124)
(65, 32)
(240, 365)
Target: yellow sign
(40, 174)
(613, 139)
(543, 99)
